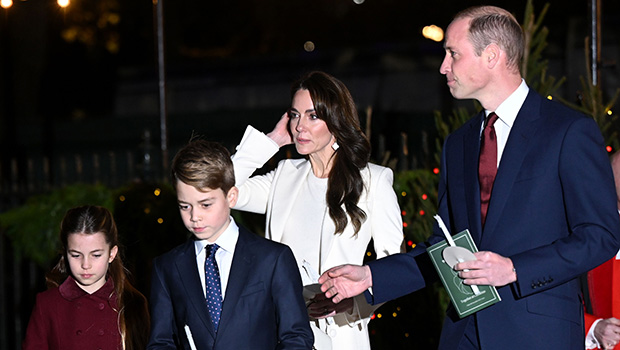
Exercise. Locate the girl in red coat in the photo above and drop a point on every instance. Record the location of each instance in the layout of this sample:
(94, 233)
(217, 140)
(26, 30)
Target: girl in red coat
(90, 304)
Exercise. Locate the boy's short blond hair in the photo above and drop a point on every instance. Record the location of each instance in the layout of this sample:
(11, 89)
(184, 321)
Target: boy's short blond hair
(204, 164)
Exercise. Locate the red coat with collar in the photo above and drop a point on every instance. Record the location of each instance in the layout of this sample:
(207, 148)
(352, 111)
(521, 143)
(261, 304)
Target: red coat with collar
(604, 289)
(68, 318)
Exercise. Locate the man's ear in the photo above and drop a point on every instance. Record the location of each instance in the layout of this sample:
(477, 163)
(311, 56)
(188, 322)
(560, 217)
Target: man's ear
(232, 196)
(492, 53)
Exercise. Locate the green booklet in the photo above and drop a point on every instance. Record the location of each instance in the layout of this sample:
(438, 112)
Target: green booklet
(466, 299)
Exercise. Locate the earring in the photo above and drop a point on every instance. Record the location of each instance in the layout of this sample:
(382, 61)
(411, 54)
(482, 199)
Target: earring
(335, 146)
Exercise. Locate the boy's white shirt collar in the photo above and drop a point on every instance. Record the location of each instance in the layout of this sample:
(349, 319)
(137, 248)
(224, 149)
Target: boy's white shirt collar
(227, 240)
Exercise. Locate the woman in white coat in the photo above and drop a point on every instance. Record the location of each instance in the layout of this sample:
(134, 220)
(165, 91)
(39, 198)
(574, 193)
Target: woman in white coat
(326, 206)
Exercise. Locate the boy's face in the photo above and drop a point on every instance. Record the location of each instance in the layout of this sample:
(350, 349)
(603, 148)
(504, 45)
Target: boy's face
(205, 213)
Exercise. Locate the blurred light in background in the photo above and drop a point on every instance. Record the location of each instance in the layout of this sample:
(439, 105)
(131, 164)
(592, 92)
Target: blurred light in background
(6, 3)
(309, 46)
(63, 3)
(433, 32)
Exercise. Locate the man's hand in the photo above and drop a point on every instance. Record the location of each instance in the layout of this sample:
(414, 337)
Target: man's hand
(345, 281)
(607, 332)
(488, 269)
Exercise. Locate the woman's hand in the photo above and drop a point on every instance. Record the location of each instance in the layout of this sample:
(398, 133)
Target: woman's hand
(280, 133)
(321, 306)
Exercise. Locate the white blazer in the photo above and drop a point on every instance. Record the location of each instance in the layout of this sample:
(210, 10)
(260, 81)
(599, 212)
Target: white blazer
(273, 194)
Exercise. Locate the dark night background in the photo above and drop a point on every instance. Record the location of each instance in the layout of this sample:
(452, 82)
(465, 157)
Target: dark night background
(83, 80)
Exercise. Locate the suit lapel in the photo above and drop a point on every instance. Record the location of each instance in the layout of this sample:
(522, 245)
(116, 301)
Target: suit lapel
(471, 153)
(242, 262)
(524, 127)
(287, 187)
(190, 280)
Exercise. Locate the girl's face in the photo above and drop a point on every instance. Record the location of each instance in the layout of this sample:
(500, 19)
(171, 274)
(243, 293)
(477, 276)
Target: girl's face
(89, 256)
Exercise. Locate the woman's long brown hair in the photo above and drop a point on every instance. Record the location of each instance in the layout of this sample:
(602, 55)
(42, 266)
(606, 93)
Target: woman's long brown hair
(334, 105)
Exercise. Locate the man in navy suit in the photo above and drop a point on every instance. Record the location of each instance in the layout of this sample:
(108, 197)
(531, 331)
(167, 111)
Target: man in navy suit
(551, 215)
(249, 297)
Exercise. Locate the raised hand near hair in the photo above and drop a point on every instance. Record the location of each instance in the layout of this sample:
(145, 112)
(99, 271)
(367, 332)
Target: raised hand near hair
(280, 133)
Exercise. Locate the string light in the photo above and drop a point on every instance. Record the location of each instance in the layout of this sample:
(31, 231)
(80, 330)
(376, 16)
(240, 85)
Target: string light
(6, 3)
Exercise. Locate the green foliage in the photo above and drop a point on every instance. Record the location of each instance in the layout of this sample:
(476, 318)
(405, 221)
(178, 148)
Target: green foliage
(534, 67)
(33, 227)
(417, 194)
(149, 224)
(148, 220)
(592, 104)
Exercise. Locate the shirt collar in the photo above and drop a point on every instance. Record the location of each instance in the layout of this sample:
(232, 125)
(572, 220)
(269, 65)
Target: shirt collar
(227, 240)
(70, 290)
(507, 111)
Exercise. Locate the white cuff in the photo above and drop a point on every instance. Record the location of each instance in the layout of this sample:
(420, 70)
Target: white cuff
(591, 341)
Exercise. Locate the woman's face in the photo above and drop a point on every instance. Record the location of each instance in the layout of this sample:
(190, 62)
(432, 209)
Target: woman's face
(310, 134)
(89, 256)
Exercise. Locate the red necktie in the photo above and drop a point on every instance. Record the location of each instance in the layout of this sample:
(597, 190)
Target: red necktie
(487, 166)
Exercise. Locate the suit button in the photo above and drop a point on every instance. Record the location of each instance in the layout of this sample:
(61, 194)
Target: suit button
(101, 306)
(78, 332)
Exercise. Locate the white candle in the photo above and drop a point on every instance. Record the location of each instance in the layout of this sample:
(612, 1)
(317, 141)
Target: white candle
(445, 231)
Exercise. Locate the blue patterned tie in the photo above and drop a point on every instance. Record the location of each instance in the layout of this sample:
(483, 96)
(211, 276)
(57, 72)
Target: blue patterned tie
(212, 281)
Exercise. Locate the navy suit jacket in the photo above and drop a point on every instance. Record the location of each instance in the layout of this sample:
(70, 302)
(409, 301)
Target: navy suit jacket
(263, 306)
(552, 211)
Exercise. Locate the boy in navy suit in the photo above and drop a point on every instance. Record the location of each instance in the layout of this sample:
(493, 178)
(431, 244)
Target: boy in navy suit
(225, 288)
